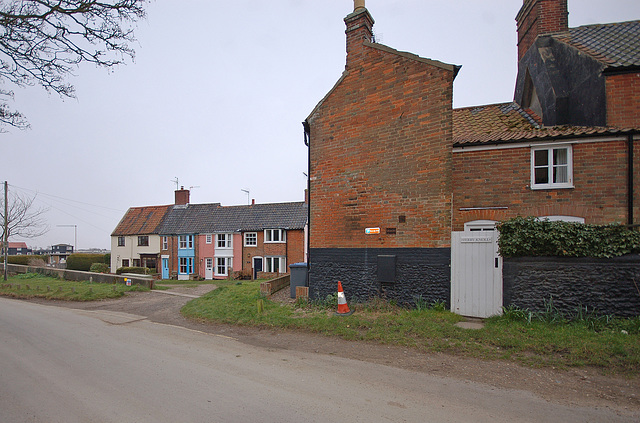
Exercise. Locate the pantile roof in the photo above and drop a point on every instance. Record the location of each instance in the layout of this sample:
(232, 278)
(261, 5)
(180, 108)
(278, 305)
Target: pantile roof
(508, 122)
(141, 220)
(617, 45)
(212, 218)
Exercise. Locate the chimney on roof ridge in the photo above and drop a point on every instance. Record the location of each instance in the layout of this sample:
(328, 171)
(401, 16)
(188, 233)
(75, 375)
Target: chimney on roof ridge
(253, 201)
(182, 196)
(540, 17)
(359, 29)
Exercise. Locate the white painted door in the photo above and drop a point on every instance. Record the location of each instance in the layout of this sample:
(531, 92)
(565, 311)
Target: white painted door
(476, 274)
(208, 269)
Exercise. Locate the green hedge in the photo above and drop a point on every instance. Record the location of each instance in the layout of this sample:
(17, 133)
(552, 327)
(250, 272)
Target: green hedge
(138, 270)
(79, 261)
(24, 260)
(529, 236)
(99, 268)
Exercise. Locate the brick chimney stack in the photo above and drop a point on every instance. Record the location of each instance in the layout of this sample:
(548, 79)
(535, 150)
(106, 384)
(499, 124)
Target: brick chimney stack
(182, 196)
(359, 29)
(540, 17)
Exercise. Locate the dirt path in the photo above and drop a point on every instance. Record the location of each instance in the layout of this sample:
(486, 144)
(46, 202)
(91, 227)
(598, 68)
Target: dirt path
(576, 387)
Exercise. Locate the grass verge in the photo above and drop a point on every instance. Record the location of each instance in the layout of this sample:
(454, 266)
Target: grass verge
(32, 285)
(613, 348)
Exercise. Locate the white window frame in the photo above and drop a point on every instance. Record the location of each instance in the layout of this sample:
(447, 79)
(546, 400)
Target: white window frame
(209, 238)
(269, 262)
(224, 241)
(223, 263)
(188, 265)
(254, 238)
(185, 242)
(209, 263)
(480, 226)
(550, 166)
(165, 243)
(269, 236)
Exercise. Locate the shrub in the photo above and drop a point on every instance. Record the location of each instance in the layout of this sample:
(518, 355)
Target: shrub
(530, 236)
(107, 259)
(83, 262)
(23, 260)
(137, 270)
(37, 261)
(99, 268)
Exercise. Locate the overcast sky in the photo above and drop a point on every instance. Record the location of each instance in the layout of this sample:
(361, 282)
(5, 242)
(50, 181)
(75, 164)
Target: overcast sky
(216, 98)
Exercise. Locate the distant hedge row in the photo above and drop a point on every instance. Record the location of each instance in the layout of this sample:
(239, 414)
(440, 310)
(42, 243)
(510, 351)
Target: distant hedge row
(26, 260)
(530, 236)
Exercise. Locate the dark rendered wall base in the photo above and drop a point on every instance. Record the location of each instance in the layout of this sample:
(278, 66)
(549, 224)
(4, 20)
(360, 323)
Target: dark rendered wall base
(399, 274)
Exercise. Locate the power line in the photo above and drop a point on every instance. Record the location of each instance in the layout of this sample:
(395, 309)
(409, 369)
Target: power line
(67, 199)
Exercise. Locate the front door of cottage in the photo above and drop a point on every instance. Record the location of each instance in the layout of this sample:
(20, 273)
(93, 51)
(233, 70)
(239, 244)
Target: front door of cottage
(476, 274)
(257, 266)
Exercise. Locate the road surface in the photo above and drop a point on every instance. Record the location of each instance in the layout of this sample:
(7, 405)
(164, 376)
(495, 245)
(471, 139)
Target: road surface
(65, 365)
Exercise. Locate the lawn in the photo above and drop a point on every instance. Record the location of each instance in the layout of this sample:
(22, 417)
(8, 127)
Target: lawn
(612, 345)
(33, 285)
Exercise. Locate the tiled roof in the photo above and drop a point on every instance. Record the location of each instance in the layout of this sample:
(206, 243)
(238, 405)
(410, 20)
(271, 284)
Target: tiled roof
(15, 244)
(508, 122)
(616, 44)
(141, 221)
(211, 218)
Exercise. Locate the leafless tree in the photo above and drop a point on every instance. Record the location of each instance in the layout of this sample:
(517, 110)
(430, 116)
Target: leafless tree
(23, 219)
(43, 41)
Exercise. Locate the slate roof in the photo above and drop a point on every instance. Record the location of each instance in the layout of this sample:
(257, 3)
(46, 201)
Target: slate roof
(141, 221)
(508, 122)
(212, 218)
(617, 45)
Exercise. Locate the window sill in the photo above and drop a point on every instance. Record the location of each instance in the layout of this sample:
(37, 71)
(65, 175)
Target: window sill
(550, 187)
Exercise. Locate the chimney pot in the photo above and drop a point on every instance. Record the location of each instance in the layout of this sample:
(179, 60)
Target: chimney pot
(358, 4)
(253, 201)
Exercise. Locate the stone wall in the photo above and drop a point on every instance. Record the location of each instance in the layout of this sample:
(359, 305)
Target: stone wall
(607, 286)
(76, 275)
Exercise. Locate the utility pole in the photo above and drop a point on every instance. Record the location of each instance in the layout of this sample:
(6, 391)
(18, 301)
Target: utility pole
(5, 241)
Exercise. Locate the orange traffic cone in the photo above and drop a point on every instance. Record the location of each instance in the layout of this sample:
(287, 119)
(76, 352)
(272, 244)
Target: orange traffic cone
(343, 308)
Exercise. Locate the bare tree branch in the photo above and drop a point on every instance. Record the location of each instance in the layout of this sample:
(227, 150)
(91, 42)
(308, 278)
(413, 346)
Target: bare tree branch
(23, 218)
(43, 41)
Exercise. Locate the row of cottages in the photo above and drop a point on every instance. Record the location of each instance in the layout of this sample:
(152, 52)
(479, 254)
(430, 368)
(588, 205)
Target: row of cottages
(186, 241)
(394, 169)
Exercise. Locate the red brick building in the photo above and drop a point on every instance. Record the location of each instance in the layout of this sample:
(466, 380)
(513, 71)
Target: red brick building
(388, 155)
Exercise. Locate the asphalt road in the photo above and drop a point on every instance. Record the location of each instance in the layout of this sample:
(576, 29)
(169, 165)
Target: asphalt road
(64, 365)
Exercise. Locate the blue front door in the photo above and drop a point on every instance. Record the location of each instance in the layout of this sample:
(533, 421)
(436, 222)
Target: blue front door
(165, 268)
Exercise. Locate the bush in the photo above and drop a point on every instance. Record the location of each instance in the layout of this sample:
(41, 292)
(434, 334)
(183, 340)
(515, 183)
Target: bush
(99, 268)
(137, 270)
(107, 259)
(23, 260)
(37, 261)
(83, 262)
(530, 236)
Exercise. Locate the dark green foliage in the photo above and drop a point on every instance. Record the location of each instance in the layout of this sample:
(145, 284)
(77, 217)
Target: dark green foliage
(26, 260)
(99, 268)
(137, 270)
(107, 259)
(529, 236)
(23, 260)
(83, 262)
